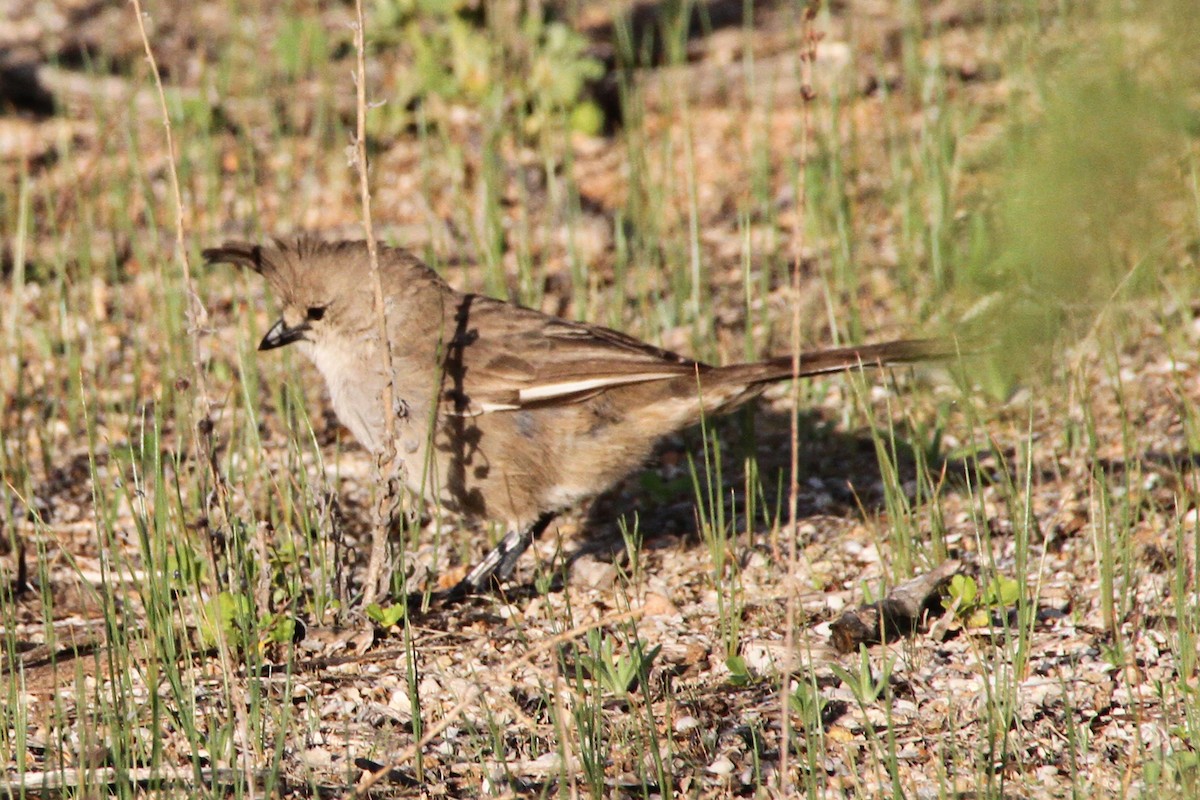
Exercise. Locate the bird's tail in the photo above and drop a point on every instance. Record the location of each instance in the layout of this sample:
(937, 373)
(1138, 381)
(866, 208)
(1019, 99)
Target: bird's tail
(724, 388)
(842, 359)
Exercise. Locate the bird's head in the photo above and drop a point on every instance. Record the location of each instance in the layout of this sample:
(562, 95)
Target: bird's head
(321, 288)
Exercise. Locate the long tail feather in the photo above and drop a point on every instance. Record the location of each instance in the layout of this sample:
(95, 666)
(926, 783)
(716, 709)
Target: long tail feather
(840, 359)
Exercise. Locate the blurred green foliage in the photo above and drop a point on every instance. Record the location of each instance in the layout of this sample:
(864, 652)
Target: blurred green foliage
(301, 46)
(511, 56)
(1096, 193)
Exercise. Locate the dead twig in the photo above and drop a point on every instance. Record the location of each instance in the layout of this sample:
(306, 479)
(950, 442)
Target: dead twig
(386, 470)
(897, 614)
(808, 54)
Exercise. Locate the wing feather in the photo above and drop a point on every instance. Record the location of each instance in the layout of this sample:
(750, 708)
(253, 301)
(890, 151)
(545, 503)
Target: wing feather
(505, 358)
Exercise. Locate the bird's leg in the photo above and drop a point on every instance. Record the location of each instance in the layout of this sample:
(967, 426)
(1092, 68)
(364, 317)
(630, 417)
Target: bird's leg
(499, 564)
(508, 561)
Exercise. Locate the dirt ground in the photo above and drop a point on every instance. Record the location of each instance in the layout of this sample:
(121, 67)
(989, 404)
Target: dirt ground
(1081, 485)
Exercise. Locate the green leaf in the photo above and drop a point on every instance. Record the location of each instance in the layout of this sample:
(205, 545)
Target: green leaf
(964, 588)
(386, 617)
(739, 672)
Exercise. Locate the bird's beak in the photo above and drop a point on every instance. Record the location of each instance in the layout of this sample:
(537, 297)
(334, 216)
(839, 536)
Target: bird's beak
(280, 334)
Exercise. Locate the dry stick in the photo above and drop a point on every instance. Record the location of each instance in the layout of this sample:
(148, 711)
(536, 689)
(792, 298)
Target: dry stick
(196, 311)
(477, 689)
(197, 317)
(807, 55)
(385, 467)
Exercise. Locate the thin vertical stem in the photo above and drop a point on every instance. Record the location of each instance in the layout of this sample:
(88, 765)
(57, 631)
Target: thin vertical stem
(808, 52)
(385, 469)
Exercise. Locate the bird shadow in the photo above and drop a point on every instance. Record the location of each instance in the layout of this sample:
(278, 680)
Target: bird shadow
(839, 474)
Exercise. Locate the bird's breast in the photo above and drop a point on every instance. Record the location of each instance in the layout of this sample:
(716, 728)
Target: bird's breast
(354, 386)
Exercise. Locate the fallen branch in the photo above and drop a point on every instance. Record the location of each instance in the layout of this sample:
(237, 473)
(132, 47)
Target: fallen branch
(898, 614)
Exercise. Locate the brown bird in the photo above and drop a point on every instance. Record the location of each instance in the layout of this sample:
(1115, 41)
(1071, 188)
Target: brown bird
(501, 412)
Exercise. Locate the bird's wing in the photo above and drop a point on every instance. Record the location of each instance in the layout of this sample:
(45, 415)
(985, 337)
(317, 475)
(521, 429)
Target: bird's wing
(502, 357)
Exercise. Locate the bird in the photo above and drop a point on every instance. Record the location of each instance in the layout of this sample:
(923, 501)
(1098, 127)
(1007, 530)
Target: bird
(500, 412)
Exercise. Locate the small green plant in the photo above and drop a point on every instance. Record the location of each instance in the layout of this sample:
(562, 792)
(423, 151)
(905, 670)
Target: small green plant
(543, 583)
(863, 682)
(227, 616)
(616, 674)
(277, 628)
(387, 616)
(716, 516)
(976, 609)
(806, 702)
(739, 671)
(230, 617)
(631, 535)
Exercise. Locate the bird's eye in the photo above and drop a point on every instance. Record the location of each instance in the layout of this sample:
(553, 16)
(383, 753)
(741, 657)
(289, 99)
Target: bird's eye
(314, 313)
